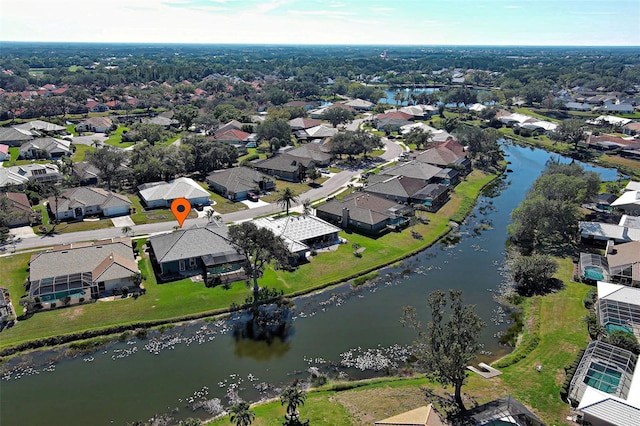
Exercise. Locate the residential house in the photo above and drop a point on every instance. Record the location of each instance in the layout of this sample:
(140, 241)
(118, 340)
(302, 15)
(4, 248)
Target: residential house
(360, 104)
(617, 108)
(301, 234)
(285, 167)
(76, 203)
(232, 136)
(631, 129)
(319, 132)
(366, 213)
(162, 194)
(95, 125)
(159, 120)
(449, 154)
(609, 120)
(193, 251)
(628, 202)
(618, 308)
(33, 171)
(426, 173)
(302, 123)
(86, 172)
(14, 137)
(632, 186)
(95, 106)
(437, 135)
(11, 178)
(5, 155)
(231, 125)
(605, 388)
(414, 111)
(502, 411)
(578, 106)
(313, 152)
(20, 209)
(602, 202)
(609, 142)
(236, 183)
(75, 273)
(42, 127)
(393, 120)
(596, 232)
(47, 147)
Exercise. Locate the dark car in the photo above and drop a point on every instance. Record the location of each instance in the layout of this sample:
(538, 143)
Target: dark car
(252, 196)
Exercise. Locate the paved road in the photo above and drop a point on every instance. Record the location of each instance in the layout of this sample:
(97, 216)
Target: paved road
(329, 187)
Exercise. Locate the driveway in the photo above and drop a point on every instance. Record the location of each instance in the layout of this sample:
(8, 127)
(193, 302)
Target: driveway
(88, 140)
(121, 221)
(23, 232)
(254, 204)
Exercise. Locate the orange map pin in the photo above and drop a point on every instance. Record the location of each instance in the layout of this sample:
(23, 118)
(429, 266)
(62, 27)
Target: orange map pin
(180, 207)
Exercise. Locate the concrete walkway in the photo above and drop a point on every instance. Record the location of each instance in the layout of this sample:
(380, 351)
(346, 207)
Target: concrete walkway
(121, 221)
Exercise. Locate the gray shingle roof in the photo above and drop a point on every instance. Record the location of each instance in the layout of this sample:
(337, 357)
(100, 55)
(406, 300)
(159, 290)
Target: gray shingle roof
(77, 258)
(193, 242)
(181, 187)
(238, 179)
(363, 207)
(87, 196)
(413, 169)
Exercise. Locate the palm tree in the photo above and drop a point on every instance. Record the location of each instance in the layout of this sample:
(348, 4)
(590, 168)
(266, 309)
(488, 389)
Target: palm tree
(125, 230)
(211, 215)
(241, 415)
(287, 198)
(306, 207)
(293, 397)
(399, 98)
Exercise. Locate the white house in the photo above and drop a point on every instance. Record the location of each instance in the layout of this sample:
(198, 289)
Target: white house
(161, 194)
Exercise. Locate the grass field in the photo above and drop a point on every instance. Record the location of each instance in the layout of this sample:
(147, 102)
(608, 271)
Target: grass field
(81, 151)
(556, 319)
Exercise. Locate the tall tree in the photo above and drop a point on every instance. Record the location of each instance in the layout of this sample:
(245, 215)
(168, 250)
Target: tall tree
(286, 198)
(274, 128)
(418, 137)
(108, 160)
(447, 345)
(337, 115)
(241, 414)
(570, 131)
(533, 274)
(185, 114)
(259, 246)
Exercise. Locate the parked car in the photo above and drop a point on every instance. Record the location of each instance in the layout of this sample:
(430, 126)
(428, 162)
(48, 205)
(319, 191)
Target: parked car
(252, 196)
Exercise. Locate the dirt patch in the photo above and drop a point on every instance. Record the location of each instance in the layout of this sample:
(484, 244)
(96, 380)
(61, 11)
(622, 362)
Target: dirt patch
(72, 313)
(369, 405)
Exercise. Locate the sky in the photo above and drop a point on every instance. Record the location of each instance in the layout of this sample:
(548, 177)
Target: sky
(344, 22)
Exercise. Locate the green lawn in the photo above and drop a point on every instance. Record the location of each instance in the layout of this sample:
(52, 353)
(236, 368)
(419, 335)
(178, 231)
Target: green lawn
(115, 138)
(155, 215)
(81, 151)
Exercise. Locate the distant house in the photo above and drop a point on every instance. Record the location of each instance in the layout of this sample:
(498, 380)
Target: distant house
(4, 152)
(162, 194)
(47, 147)
(317, 132)
(82, 271)
(11, 178)
(285, 167)
(33, 171)
(437, 135)
(76, 203)
(632, 128)
(592, 232)
(20, 209)
(365, 213)
(399, 189)
(578, 106)
(95, 125)
(161, 121)
(86, 173)
(617, 108)
(202, 251)
(231, 125)
(42, 127)
(444, 156)
(301, 123)
(360, 104)
(426, 173)
(609, 142)
(14, 137)
(232, 136)
(95, 106)
(301, 234)
(313, 152)
(237, 182)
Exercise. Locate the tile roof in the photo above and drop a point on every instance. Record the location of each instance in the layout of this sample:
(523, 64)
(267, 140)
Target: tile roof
(303, 123)
(363, 207)
(295, 230)
(412, 169)
(9, 134)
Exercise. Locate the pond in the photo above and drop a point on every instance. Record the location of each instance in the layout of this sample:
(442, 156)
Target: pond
(348, 332)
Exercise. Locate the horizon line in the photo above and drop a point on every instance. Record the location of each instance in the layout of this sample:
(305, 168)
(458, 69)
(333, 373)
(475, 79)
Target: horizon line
(156, 43)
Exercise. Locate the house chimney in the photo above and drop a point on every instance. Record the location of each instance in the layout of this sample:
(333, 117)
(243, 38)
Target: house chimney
(345, 217)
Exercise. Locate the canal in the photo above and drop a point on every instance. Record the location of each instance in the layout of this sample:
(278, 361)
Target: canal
(348, 332)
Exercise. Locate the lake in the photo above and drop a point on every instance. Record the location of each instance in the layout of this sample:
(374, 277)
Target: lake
(342, 331)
